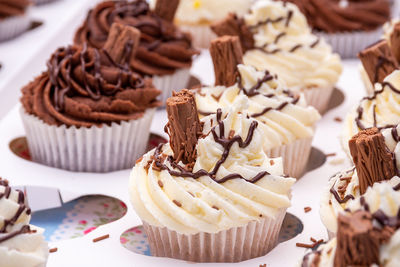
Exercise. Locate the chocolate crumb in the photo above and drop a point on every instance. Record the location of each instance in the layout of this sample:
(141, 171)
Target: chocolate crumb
(177, 203)
(139, 160)
(160, 183)
(307, 209)
(231, 134)
(100, 238)
(272, 162)
(330, 155)
(53, 250)
(313, 245)
(263, 265)
(215, 207)
(338, 119)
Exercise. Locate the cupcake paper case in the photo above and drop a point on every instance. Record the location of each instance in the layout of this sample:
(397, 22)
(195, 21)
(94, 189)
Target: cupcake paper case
(164, 53)
(346, 25)
(276, 37)
(284, 118)
(213, 199)
(89, 107)
(374, 182)
(13, 18)
(20, 243)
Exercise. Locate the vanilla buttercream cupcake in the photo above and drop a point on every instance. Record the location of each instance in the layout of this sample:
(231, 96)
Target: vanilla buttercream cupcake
(215, 197)
(378, 185)
(364, 238)
(282, 42)
(382, 109)
(196, 16)
(285, 119)
(21, 245)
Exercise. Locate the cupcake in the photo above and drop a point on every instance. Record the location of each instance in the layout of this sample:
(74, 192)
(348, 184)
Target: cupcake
(89, 112)
(42, 2)
(196, 16)
(373, 182)
(21, 244)
(275, 36)
(284, 118)
(382, 57)
(211, 193)
(364, 239)
(378, 110)
(164, 53)
(13, 18)
(348, 25)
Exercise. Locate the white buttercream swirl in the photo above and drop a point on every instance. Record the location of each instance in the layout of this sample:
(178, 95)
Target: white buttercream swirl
(294, 121)
(190, 206)
(302, 61)
(26, 249)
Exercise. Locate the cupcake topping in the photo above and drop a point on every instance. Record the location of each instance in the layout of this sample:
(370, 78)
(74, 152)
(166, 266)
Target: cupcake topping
(334, 16)
(378, 61)
(166, 9)
(85, 86)
(10, 8)
(163, 47)
(373, 161)
(226, 54)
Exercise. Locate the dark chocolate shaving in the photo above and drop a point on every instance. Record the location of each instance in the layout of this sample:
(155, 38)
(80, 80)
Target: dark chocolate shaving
(166, 9)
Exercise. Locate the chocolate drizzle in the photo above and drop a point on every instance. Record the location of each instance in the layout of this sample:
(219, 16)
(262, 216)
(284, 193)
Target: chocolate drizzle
(338, 198)
(226, 143)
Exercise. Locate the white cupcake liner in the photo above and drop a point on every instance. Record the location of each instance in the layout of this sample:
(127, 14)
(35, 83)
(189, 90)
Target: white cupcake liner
(253, 240)
(318, 97)
(169, 83)
(95, 149)
(348, 44)
(13, 26)
(295, 156)
(202, 35)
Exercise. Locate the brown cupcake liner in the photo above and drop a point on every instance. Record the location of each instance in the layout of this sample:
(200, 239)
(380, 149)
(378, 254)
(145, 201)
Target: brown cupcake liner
(295, 156)
(169, 83)
(348, 44)
(237, 244)
(202, 35)
(95, 149)
(318, 97)
(13, 26)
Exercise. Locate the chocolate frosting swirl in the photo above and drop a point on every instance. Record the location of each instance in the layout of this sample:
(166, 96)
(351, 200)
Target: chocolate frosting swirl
(341, 16)
(84, 87)
(163, 48)
(9, 8)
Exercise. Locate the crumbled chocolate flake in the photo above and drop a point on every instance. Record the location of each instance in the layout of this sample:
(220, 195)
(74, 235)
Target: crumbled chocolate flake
(139, 160)
(166, 9)
(234, 26)
(122, 43)
(160, 183)
(231, 134)
(313, 245)
(330, 155)
(184, 127)
(338, 119)
(53, 250)
(272, 162)
(263, 265)
(215, 207)
(307, 209)
(372, 159)
(226, 54)
(100, 238)
(177, 203)
(378, 61)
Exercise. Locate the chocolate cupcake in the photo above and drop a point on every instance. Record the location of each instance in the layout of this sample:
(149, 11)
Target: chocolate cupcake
(89, 111)
(164, 53)
(348, 25)
(13, 18)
